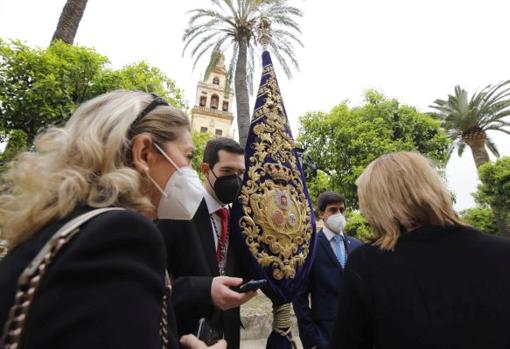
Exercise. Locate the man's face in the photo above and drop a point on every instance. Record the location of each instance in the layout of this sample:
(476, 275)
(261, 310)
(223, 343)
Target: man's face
(228, 164)
(332, 209)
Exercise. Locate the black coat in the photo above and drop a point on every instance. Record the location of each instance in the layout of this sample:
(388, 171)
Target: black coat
(192, 266)
(440, 288)
(322, 287)
(103, 290)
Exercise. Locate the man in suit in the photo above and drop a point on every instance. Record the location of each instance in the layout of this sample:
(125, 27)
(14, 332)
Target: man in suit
(322, 286)
(200, 260)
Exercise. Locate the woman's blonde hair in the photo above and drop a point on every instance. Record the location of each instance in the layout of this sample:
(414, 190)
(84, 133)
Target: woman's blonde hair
(86, 162)
(401, 191)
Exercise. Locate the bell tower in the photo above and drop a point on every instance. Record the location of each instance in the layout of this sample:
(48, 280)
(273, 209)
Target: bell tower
(212, 112)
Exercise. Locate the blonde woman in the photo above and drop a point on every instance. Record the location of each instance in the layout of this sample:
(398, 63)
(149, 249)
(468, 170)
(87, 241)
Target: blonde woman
(105, 287)
(428, 280)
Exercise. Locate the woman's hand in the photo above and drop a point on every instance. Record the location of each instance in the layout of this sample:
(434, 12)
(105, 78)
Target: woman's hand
(192, 342)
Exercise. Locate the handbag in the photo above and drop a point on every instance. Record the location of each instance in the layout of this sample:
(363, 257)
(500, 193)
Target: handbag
(30, 278)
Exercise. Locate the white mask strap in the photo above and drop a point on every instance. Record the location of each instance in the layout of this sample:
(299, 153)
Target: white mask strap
(168, 158)
(156, 184)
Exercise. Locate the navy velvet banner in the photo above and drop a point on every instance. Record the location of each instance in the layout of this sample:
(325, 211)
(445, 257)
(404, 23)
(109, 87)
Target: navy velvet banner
(274, 225)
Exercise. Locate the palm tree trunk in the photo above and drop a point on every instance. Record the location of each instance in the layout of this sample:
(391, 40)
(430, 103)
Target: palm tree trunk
(69, 21)
(479, 152)
(481, 157)
(241, 93)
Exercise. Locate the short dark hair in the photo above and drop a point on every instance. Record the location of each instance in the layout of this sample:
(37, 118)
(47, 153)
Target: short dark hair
(213, 147)
(327, 198)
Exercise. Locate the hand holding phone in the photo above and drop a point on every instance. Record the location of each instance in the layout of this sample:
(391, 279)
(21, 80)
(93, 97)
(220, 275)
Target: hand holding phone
(251, 285)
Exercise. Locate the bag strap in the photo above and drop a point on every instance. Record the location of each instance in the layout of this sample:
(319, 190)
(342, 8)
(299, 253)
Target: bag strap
(29, 281)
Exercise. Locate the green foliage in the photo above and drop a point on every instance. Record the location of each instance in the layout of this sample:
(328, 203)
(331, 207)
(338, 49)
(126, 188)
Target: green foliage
(481, 218)
(495, 187)
(41, 87)
(318, 184)
(358, 227)
(142, 76)
(199, 140)
(18, 141)
(345, 140)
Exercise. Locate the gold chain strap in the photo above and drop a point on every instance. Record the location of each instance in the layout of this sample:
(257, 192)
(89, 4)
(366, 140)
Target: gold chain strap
(31, 277)
(163, 325)
(25, 295)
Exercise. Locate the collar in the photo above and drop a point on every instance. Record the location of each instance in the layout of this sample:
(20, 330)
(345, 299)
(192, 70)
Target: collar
(329, 234)
(212, 204)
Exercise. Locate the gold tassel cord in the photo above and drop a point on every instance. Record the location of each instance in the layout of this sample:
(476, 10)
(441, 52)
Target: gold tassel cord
(281, 322)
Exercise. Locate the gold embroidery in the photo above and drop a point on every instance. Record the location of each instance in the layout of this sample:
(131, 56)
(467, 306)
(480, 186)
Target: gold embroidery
(276, 220)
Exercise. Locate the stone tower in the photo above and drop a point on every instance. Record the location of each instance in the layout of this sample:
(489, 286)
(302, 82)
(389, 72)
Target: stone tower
(213, 107)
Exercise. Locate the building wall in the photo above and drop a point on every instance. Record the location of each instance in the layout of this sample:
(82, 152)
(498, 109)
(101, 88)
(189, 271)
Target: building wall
(211, 125)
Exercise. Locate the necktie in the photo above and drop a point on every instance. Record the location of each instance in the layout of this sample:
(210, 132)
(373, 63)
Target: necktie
(223, 238)
(340, 250)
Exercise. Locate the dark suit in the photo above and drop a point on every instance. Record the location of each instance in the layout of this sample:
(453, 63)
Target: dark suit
(103, 290)
(440, 288)
(322, 285)
(192, 266)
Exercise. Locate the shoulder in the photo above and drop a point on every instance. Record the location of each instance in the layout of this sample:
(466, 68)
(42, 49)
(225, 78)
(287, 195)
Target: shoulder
(364, 257)
(355, 242)
(495, 246)
(121, 228)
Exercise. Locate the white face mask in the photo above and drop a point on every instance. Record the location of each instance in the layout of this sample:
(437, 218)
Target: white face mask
(182, 195)
(336, 223)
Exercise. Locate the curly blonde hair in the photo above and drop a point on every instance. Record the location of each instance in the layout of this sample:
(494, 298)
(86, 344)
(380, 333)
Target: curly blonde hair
(86, 162)
(401, 191)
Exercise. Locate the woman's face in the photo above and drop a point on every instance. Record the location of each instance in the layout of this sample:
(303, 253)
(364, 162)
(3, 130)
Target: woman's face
(154, 164)
(181, 151)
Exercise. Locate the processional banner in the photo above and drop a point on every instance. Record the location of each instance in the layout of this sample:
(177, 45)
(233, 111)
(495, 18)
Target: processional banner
(273, 217)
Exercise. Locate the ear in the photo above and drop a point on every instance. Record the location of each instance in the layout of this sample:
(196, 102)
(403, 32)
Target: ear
(321, 214)
(143, 152)
(204, 168)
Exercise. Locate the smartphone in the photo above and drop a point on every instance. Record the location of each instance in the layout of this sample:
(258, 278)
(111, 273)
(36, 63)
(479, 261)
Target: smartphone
(251, 285)
(206, 333)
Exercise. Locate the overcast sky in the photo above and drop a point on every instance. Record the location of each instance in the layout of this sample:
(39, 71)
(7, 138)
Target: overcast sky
(416, 51)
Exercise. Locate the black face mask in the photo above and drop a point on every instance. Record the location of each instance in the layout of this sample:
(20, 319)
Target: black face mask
(227, 188)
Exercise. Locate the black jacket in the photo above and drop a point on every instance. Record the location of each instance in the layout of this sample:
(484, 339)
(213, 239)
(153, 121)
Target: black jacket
(322, 287)
(103, 290)
(192, 266)
(440, 288)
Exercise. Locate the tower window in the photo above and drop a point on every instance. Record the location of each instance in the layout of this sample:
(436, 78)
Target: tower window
(225, 106)
(203, 129)
(203, 101)
(219, 132)
(216, 80)
(215, 100)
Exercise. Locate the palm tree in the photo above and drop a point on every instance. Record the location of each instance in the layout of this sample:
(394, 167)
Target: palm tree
(229, 28)
(69, 21)
(468, 120)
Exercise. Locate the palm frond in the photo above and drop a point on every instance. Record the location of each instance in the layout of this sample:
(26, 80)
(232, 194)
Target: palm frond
(500, 129)
(204, 40)
(461, 146)
(491, 146)
(231, 68)
(216, 45)
(281, 59)
(284, 33)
